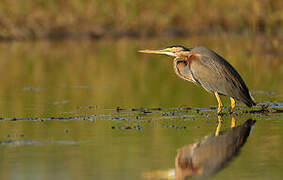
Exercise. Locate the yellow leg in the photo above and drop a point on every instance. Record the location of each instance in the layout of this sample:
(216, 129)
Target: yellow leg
(220, 105)
(220, 121)
(233, 122)
(233, 104)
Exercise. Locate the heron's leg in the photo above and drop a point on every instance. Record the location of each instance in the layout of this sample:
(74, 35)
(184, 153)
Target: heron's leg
(233, 122)
(233, 104)
(220, 121)
(220, 105)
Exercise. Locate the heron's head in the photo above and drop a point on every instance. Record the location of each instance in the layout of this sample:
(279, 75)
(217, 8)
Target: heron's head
(175, 51)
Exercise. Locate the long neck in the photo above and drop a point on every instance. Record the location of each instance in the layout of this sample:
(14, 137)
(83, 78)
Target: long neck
(183, 54)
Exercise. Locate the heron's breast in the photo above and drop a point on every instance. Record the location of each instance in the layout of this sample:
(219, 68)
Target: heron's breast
(183, 70)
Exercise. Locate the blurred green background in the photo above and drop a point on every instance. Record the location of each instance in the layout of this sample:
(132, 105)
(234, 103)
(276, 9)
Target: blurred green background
(98, 18)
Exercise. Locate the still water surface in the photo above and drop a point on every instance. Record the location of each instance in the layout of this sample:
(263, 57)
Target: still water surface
(100, 110)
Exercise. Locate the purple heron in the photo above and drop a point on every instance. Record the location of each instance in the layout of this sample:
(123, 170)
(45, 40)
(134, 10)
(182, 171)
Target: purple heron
(205, 67)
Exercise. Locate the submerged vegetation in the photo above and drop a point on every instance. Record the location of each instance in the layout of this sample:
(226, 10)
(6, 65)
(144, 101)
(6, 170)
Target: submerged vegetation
(97, 18)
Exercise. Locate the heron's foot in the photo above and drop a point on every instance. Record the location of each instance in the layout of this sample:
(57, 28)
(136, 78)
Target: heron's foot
(219, 109)
(233, 105)
(220, 105)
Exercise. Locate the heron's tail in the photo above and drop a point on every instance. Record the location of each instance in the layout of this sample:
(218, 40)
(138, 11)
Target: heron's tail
(249, 101)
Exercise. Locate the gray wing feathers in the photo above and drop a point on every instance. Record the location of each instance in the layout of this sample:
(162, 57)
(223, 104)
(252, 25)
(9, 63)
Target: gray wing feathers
(217, 75)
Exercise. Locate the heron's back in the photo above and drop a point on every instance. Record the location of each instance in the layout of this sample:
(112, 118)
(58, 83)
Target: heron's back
(215, 74)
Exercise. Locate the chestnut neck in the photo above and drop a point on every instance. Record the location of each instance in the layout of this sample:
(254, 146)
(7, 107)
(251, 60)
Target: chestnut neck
(183, 54)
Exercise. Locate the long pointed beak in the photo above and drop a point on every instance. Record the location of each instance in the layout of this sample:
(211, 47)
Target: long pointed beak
(153, 51)
(158, 51)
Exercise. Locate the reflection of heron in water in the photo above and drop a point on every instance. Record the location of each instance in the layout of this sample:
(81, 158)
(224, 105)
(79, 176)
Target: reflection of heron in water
(204, 158)
(208, 156)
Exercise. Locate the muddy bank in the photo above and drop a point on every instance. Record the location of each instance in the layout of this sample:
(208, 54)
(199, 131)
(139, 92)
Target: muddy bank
(149, 114)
